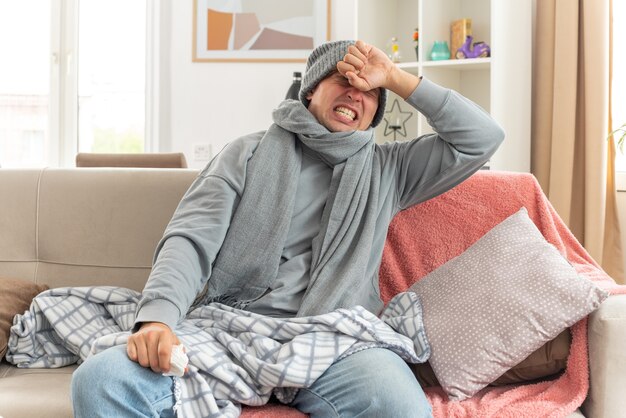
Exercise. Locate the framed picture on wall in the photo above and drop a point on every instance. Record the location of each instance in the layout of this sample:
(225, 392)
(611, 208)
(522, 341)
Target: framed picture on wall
(258, 30)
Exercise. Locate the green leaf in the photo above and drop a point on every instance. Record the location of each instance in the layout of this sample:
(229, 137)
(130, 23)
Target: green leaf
(621, 138)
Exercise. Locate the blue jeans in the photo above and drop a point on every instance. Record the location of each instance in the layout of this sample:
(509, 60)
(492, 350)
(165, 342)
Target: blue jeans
(110, 384)
(371, 383)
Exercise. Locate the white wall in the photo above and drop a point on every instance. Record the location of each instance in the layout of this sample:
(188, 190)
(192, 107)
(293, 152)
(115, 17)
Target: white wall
(214, 103)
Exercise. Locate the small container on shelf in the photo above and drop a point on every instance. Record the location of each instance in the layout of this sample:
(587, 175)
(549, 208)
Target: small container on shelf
(440, 51)
(394, 50)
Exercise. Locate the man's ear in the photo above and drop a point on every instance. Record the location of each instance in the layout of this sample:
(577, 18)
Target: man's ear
(309, 95)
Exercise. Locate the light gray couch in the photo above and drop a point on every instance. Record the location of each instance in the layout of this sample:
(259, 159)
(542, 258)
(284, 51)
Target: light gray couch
(95, 226)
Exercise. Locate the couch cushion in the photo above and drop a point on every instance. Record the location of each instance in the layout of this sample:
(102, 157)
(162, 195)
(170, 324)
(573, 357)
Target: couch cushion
(15, 298)
(489, 308)
(18, 222)
(88, 226)
(100, 226)
(546, 362)
(145, 160)
(34, 393)
(607, 365)
(45, 393)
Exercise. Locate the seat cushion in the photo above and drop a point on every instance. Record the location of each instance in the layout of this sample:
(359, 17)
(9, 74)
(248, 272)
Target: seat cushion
(45, 393)
(34, 393)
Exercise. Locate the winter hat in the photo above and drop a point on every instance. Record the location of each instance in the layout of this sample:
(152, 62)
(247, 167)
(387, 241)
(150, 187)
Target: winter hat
(322, 61)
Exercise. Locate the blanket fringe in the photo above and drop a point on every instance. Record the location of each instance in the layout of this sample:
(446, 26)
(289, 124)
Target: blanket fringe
(177, 395)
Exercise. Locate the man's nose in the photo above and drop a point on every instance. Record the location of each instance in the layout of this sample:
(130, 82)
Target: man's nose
(355, 94)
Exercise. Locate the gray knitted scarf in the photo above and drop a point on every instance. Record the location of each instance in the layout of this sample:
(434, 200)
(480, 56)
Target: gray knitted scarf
(249, 258)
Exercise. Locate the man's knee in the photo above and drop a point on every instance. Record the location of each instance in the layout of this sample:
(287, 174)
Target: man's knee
(371, 383)
(114, 385)
(99, 373)
(404, 400)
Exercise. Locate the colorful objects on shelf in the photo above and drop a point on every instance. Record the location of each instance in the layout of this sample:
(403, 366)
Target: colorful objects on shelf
(416, 39)
(394, 50)
(459, 29)
(440, 51)
(467, 50)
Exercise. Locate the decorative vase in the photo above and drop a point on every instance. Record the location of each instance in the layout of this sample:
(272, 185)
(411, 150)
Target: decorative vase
(440, 51)
(417, 52)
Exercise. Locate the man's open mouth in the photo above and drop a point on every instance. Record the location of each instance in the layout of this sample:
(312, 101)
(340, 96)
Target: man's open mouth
(345, 112)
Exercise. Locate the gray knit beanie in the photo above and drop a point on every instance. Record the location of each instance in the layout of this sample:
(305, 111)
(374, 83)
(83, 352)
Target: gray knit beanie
(322, 61)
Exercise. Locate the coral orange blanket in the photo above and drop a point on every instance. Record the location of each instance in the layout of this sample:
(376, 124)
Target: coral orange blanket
(425, 236)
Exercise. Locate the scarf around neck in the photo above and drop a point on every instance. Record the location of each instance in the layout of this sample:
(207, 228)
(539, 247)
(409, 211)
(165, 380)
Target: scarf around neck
(249, 258)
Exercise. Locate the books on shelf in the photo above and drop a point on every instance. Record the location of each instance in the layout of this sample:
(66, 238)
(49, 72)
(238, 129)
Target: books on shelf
(459, 29)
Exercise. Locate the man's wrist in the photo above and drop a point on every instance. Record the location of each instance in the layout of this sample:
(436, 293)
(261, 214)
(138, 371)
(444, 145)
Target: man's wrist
(153, 323)
(158, 310)
(402, 82)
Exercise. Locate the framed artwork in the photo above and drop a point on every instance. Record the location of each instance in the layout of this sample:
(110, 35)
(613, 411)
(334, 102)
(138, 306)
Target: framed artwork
(258, 30)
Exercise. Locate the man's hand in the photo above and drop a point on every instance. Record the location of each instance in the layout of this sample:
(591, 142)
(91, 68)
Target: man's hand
(367, 67)
(151, 346)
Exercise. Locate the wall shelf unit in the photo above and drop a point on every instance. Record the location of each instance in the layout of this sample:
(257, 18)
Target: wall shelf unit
(501, 84)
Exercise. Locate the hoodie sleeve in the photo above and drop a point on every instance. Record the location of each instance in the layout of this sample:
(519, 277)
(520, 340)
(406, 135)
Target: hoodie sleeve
(465, 138)
(185, 255)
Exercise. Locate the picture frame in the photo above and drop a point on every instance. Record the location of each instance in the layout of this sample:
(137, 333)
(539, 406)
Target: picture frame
(258, 30)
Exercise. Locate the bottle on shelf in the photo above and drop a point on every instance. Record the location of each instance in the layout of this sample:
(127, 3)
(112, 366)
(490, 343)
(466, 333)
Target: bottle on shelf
(394, 50)
(294, 89)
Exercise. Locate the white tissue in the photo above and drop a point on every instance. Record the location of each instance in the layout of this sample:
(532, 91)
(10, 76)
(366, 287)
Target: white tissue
(178, 361)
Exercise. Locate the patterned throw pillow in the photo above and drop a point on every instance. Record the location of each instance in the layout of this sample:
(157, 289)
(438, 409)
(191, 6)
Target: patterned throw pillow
(15, 298)
(504, 297)
(544, 363)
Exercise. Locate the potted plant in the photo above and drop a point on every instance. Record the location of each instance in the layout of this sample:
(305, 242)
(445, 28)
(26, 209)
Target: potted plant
(621, 139)
(416, 39)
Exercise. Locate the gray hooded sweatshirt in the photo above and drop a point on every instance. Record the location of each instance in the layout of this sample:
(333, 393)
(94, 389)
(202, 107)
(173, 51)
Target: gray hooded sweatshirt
(413, 171)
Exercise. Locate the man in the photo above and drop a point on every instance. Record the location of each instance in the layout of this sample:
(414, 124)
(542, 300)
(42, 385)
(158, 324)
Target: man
(292, 222)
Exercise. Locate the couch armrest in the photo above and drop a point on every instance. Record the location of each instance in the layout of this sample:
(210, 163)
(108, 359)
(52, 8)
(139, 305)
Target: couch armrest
(607, 360)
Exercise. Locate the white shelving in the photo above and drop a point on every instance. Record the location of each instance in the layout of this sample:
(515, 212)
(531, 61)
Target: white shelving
(468, 64)
(501, 84)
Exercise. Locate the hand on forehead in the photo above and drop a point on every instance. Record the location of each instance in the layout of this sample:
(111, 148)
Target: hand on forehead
(364, 66)
(355, 58)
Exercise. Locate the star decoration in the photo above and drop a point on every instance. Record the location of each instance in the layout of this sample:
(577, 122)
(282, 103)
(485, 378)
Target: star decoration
(395, 120)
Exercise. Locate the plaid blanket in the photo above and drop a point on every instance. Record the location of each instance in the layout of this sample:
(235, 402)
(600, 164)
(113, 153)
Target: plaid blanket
(235, 357)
